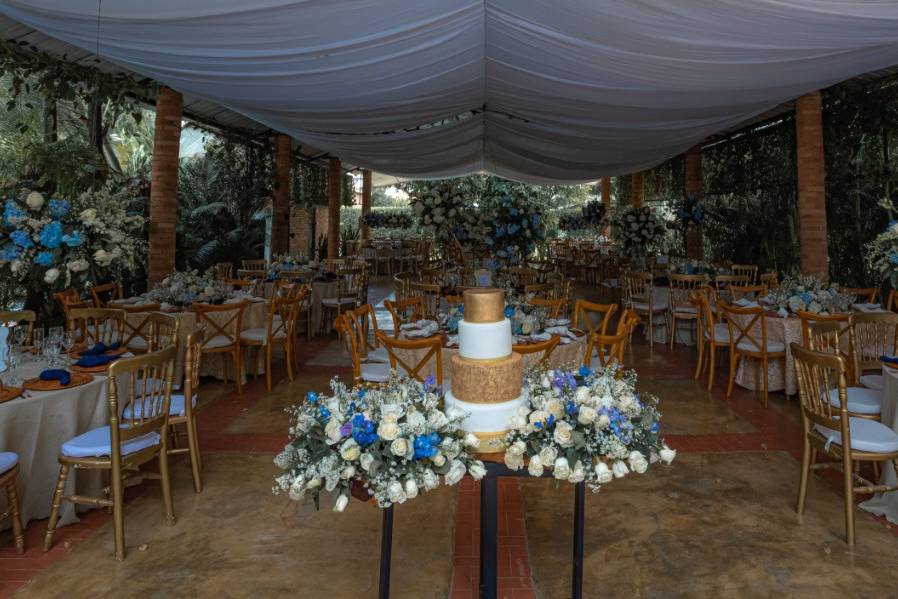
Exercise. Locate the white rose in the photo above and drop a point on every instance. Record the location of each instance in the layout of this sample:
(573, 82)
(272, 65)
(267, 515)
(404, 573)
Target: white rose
(332, 430)
(562, 434)
(388, 431)
(395, 492)
(399, 447)
(342, 502)
(314, 483)
(603, 421)
(88, 216)
(535, 467)
(578, 474)
(16, 265)
(603, 473)
(555, 408)
(79, 265)
(517, 422)
(456, 472)
(582, 394)
(667, 454)
(619, 469)
(51, 275)
(548, 454)
(411, 488)
(35, 200)
(472, 440)
(514, 461)
(537, 416)
(438, 460)
(347, 472)
(430, 480)
(350, 450)
(477, 470)
(366, 460)
(104, 258)
(587, 415)
(517, 448)
(561, 469)
(638, 463)
(437, 420)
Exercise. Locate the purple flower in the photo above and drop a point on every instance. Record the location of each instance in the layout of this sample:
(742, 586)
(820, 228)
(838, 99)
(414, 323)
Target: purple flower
(346, 429)
(429, 382)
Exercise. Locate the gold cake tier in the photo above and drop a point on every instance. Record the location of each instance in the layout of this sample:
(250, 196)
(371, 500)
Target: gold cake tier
(491, 442)
(487, 381)
(484, 305)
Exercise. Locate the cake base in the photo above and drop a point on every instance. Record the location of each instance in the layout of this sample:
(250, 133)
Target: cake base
(489, 422)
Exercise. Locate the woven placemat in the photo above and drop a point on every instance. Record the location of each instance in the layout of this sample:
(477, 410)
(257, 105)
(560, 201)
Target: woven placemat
(98, 369)
(8, 393)
(77, 379)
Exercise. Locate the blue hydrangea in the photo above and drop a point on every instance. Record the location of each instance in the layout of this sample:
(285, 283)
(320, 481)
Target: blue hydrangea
(22, 239)
(73, 239)
(59, 208)
(12, 214)
(44, 259)
(51, 234)
(11, 253)
(893, 258)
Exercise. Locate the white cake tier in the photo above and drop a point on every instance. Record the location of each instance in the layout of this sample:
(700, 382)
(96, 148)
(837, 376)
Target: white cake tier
(486, 417)
(484, 340)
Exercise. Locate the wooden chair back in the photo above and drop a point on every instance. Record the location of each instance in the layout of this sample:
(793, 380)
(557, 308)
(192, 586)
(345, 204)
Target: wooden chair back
(681, 286)
(162, 330)
(818, 373)
(17, 318)
(413, 368)
(537, 288)
(430, 294)
(68, 299)
(593, 317)
(250, 286)
(749, 292)
(867, 295)
(147, 390)
(405, 311)
(769, 279)
(748, 326)
(366, 319)
(283, 313)
(748, 271)
(105, 293)
(223, 323)
(136, 323)
(350, 342)
(872, 334)
(224, 271)
(552, 306)
(193, 352)
(722, 284)
(97, 325)
(637, 287)
(254, 265)
(809, 318)
(546, 347)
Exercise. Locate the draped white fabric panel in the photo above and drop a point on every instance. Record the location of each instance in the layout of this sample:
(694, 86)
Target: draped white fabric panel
(534, 90)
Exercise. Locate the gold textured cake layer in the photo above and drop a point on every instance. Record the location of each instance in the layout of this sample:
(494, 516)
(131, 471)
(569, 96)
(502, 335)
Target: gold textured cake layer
(491, 442)
(487, 381)
(484, 305)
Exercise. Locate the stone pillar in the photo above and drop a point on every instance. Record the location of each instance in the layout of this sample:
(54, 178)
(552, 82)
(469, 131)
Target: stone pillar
(636, 192)
(366, 202)
(280, 206)
(811, 184)
(693, 160)
(606, 200)
(164, 189)
(334, 189)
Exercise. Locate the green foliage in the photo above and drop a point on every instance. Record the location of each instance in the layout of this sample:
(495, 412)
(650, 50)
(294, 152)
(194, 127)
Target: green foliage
(309, 185)
(476, 187)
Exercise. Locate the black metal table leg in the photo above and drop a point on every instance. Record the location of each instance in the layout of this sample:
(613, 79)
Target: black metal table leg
(386, 551)
(488, 532)
(579, 517)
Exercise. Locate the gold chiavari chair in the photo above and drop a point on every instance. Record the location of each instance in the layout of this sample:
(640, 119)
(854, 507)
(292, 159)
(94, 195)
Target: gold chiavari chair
(867, 295)
(770, 280)
(97, 325)
(681, 286)
(722, 284)
(362, 372)
(713, 335)
(257, 265)
(809, 318)
(552, 306)
(125, 443)
(430, 294)
(639, 296)
(405, 311)
(19, 318)
(872, 334)
(432, 348)
(747, 271)
(348, 291)
(830, 429)
(9, 470)
(400, 285)
(105, 293)
(747, 292)
(546, 347)
(223, 326)
(745, 342)
(224, 271)
(162, 331)
(280, 328)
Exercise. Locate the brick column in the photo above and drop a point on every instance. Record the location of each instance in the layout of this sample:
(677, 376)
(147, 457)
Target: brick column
(811, 184)
(636, 191)
(366, 202)
(164, 188)
(606, 200)
(693, 160)
(334, 189)
(280, 207)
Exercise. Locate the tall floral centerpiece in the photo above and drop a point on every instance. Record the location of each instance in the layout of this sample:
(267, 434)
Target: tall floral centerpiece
(640, 231)
(882, 255)
(808, 293)
(443, 213)
(394, 441)
(512, 228)
(586, 426)
(50, 243)
(590, 217)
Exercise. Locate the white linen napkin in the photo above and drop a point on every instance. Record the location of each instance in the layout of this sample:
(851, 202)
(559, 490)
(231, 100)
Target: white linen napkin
(867, 307)
(782, 313)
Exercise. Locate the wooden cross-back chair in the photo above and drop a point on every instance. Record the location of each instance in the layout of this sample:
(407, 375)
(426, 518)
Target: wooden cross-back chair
(538, 288)
(366, 325)
(430, 294)
(830, 429)
(19, 318)
(593, 317)
(433, 350)
(371, 373)
(745, 342)
(608, 347)
(748, 292)
(126, 443)
(105, 293)
(279, 329)
(872, 334)
(546, 347)
(748, 271)
(681, 286)
(97, 325)
(867, 295)
(223, 326)
(137, 319)
(68, 299)
(552, 306)
(712, 335)
(639, 296)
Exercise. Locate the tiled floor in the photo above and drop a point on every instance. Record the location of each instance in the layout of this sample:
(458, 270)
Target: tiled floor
(719, 521)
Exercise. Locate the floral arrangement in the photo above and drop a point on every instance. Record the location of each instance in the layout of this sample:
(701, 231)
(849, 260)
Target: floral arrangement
(809, 293)
(526, 319)
(443, 213)
(640, 230)
(696, 267)
(591, 216)
(586, 426)
(450, 319)
(186, 287)
(395, 441)
(282, 262)
(53, 243)
(690, 213)
(513, 226)
(882, 255)
(386, 219)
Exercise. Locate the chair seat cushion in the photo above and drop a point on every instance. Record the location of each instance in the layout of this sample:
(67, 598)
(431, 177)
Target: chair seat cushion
(688, 310)
(657, 306)
(176, 407)
(721, 333)
(860, 400)
(96, 443)
(596, 364)
(866, 435)
(337, 301)
(376, 372)
(138, 343)
(260, 335)
(872, 381)
(7, 460)
(217, 341)
(773, 347)
(379, 355)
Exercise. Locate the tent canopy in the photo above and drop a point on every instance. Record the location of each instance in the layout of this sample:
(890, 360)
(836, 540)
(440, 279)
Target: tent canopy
(545, 91)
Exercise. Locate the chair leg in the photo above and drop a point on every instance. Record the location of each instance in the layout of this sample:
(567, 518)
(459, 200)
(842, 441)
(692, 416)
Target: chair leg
(54, 508)
(268, 365)
(849, 496)
(673, 328)
(699, 363)
(805, 472)
(238, 370)
(164, 478)
(196, 456)
(734, 362)
(118, 506)
(712, 354)
(13, 499)
(288, 351)
(766, 379)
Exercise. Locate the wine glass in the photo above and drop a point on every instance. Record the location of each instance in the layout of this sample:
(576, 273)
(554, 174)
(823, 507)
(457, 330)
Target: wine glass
(68, 342)
(55, 334)
(20, 334)
(47, 351)
(37, 339)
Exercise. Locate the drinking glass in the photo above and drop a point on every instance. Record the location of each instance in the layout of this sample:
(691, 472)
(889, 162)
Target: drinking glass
(68, 342)
(20, 334)
(37, 340)
(55, 334)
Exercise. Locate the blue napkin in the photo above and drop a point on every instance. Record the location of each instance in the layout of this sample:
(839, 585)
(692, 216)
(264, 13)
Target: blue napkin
(55, 374)
(100, 348)
(889, 359)
(89, 361)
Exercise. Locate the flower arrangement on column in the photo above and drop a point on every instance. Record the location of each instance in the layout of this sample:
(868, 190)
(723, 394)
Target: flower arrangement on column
(48, 244)
(591, 216)
(640, 231)
(882, 255)
(394, 441)
(690, 213)
(586, 426)
(511, 228)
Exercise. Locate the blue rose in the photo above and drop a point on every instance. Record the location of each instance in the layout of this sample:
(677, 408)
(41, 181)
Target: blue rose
(893, 258)
(51, 234)
(73, 239)
(509, 312)
(11, 253)
(58, 208)
(44, 259)
(21, 239)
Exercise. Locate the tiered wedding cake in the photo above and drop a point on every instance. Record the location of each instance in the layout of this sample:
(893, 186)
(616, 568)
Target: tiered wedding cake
(486, 375)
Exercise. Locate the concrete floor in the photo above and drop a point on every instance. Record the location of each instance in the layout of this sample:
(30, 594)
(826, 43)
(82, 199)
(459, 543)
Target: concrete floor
(720, 521)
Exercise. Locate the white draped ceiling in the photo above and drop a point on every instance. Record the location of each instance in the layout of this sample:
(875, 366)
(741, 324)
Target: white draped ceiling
(534, 90)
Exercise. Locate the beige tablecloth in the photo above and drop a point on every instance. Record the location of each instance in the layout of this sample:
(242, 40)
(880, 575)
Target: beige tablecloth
(35, 428)
(780, 373)
(886, 504)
